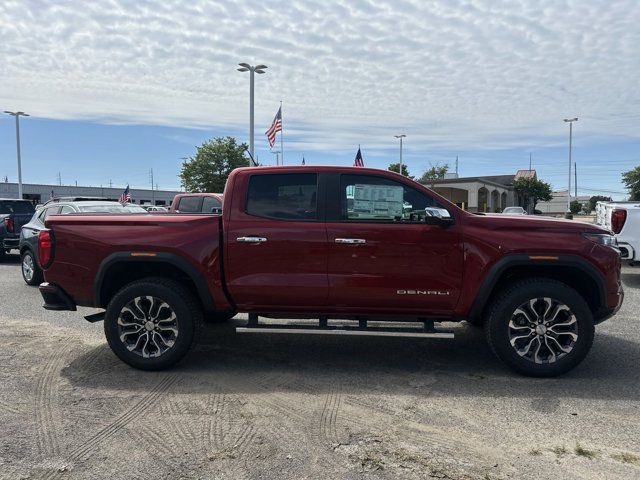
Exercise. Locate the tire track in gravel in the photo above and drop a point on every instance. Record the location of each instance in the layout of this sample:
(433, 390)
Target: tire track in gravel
(84, 451)
(47, 415)
(329, 415)
(8, 407)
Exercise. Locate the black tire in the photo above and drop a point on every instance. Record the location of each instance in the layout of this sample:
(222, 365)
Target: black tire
(219, 317)
(499, 333)
(181, 302)
(475, 322)
(36, 275)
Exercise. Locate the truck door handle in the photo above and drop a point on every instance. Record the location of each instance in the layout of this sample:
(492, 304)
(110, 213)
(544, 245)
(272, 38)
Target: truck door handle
(357, 241)
(251, 239)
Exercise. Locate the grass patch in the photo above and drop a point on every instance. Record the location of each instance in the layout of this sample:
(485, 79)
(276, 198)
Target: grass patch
(559, 450)
(583, 452)
(626, 457)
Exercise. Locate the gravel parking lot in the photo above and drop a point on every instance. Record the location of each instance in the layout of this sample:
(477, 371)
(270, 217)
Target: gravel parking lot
(266, 406)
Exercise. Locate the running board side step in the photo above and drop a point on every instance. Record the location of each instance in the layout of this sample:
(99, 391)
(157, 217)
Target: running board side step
(323, 329)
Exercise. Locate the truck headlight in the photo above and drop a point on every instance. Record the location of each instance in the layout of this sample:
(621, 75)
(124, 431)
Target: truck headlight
(602, 239)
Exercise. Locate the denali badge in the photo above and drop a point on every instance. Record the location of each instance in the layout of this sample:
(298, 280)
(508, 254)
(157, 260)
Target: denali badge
(422, 292)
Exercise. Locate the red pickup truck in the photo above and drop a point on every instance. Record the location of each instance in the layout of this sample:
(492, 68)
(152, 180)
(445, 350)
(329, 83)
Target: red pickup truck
(362, 251)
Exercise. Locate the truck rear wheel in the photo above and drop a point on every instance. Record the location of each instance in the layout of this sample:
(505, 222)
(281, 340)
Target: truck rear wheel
(151, 324)
(540, 327)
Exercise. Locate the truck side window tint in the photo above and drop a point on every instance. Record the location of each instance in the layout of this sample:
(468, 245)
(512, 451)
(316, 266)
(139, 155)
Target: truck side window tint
(211, 205)
(189, 204)
(66, 210)
(287, 196)
(371, 198)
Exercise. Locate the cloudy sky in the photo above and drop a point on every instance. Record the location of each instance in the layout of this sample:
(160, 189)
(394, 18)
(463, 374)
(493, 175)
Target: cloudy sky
(117, 87)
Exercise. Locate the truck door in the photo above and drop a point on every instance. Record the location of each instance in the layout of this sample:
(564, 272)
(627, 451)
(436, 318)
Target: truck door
(383, 256)
(276, 243)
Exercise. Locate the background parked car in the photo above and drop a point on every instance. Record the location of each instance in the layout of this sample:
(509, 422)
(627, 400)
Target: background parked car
(13, 215)
(28, 239)
(623, 219)
(514, 211)
(155, 208)
(197, 203)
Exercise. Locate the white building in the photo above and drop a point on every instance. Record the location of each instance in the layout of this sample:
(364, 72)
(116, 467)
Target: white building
(40, 193)
(491, 193)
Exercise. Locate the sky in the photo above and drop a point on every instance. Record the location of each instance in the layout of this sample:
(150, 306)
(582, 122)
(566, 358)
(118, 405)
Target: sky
(115, 88)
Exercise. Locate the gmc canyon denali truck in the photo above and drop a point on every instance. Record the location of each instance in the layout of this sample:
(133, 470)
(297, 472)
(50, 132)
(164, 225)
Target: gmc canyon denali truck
(362, 251)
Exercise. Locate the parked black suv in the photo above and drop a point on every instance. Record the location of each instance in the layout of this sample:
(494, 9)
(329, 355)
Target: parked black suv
(13, 215)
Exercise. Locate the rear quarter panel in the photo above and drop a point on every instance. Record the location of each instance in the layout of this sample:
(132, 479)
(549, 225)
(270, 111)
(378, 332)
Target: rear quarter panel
(83, 242)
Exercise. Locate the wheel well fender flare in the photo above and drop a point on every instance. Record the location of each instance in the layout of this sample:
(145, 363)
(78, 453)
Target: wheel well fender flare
(172, 259)
(495, 273)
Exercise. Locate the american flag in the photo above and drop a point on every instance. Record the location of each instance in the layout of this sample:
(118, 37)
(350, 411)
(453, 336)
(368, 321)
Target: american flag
(126, 195)
(358, 161)
(52, 196)
(275, 127)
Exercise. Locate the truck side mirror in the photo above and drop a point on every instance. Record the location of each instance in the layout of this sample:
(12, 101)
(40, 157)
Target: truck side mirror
(437, 216)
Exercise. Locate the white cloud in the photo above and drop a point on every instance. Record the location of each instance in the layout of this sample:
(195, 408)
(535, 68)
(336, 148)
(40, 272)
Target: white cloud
(471, 73)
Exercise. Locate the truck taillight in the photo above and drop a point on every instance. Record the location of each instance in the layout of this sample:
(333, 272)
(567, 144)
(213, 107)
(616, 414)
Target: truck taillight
(8, 224)
(618, 217)
(45, 248)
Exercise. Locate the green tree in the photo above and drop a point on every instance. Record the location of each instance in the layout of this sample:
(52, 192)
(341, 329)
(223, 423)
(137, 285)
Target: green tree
(436, 172)
(533, 190)
(395, 167)
(631, 179)
(209, 168)
(595, 199)
(575, 206)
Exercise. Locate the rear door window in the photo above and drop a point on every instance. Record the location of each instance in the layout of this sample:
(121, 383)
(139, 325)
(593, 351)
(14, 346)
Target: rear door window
(190, 204)
(211, 205)
(288, 196)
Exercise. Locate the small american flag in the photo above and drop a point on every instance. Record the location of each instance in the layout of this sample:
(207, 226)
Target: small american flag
(52, 196)
(276, 126)
(126, 195)
(358, 161)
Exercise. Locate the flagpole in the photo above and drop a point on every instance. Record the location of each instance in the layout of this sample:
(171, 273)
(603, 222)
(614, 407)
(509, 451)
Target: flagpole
(281, 135)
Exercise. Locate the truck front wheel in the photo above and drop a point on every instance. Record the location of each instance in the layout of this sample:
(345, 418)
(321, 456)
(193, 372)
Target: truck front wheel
(540, 327)
(151, 324)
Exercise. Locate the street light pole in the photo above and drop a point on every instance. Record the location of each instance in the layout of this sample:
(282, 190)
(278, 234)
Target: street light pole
(570, 122)
(245, 67)
(401, 136)
(17, 115)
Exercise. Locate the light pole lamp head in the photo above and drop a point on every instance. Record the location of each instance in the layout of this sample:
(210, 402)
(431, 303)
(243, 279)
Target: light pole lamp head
(260, 68)
(569, 120)
(400, 136)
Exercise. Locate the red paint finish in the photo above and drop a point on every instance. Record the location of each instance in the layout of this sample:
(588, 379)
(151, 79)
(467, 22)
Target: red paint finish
(404, 269)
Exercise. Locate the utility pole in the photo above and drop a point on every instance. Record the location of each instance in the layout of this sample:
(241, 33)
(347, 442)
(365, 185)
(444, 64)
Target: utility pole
(529, 161)
(153, 192)
(575, 173)
(17, 115)
(570, 122)
(401, 136)
(110, 184)
(456, 166)
(59, 179)
(259, 69)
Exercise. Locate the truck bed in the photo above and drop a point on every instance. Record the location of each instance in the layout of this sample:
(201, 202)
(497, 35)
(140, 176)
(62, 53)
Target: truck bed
(91, 240)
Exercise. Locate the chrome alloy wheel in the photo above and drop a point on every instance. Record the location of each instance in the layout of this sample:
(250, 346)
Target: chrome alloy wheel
(27, 267)
(147, 326)
(543, 330)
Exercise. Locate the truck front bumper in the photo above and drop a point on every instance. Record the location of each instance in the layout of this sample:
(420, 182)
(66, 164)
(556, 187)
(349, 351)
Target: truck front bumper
(56, 298)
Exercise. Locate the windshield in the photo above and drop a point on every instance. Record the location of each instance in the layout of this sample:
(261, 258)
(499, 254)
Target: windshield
(18, 207)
